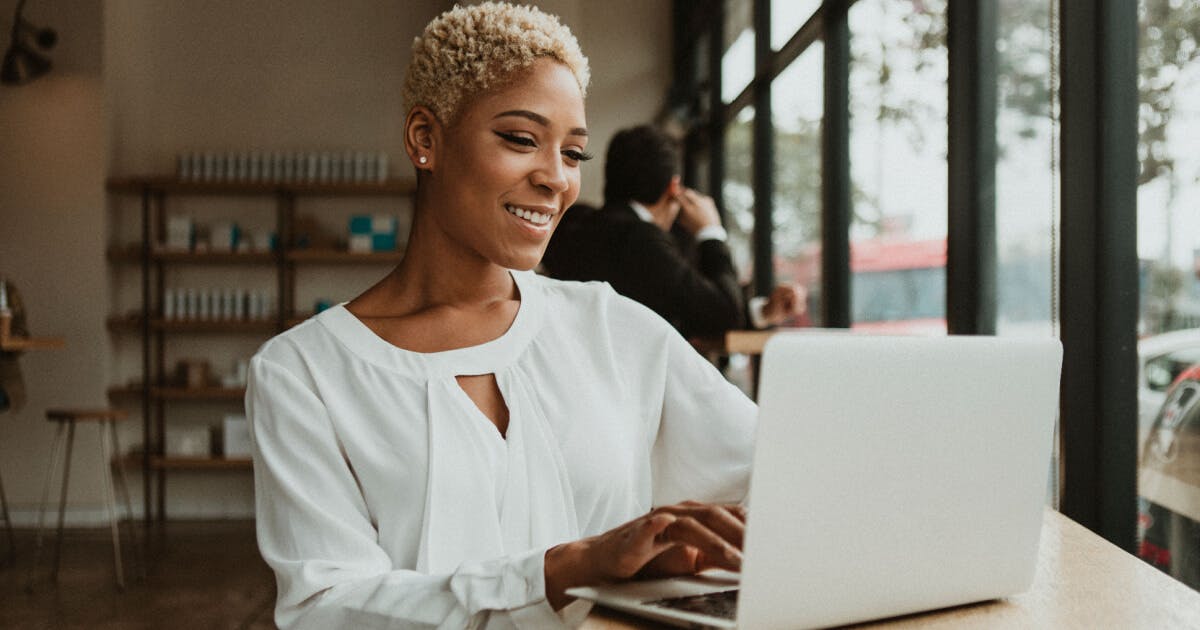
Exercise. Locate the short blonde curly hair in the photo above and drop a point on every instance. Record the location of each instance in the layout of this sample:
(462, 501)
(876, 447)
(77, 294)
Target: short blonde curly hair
(467, 50)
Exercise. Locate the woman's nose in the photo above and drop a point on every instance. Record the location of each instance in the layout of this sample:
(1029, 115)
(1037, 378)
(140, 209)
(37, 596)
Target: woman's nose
(551, 174)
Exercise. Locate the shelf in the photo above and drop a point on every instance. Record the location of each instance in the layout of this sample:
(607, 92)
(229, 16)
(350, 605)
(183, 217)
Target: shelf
(22, 344)
(118, 392)
(200, 463)
(267, 326)
(10, 343)
(199, 393)
(179, 394)
(333, 256)
(133, 254)
(189, 463)
(391, 187)
(123, 323)
(133, 323)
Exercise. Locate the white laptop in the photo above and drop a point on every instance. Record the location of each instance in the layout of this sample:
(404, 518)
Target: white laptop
(892, 475)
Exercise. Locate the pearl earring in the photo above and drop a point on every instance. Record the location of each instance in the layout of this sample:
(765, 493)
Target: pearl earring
(422, 159)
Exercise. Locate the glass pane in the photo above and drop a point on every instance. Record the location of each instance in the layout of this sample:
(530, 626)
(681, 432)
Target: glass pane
(1169, 270)
(1026, 209)
(796, 108)
(737, 192)
(787, 16)
(737, 63)
(898, 73)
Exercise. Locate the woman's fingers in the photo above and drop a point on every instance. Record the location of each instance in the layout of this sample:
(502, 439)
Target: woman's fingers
(714, 550)
(678, 539)
(629, 547)
(676, 560)
(727, 521)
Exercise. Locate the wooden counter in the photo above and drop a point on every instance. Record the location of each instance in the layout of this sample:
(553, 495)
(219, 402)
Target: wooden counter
(1082, 581)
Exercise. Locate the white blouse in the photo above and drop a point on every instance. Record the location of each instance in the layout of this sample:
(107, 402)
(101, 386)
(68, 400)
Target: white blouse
(387, 499)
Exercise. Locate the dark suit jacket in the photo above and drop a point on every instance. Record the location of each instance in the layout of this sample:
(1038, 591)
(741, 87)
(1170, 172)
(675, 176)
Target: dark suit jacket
(640, 261)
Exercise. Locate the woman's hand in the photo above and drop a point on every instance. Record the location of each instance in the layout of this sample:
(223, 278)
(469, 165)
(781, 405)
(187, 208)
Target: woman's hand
(680, 539)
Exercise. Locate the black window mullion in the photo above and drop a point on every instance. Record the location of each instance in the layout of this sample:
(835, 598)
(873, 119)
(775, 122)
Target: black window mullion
(716, 119)
(971, 221)
(764, 153)
(836, 208)
(1099, 280)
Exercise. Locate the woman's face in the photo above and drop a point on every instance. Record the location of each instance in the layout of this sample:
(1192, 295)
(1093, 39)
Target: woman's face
(508, 167)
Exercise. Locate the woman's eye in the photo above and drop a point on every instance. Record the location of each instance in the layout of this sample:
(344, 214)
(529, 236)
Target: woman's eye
(515, 139)
(577, 156)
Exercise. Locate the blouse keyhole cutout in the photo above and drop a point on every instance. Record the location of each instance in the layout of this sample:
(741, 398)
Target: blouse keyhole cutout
(485, 393)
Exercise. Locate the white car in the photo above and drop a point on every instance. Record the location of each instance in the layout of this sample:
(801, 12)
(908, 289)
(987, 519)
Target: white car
(1161, 358)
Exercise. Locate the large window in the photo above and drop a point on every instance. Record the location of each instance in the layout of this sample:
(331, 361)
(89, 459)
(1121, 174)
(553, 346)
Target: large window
(787, 17)
(737, 191)
(1026, 170)
(796, 108)
(737, 62)
(898, 75)
(859, 185)
(1168, 247)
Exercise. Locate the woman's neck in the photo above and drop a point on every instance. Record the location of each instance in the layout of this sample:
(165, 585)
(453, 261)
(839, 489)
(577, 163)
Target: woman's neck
(436, 272)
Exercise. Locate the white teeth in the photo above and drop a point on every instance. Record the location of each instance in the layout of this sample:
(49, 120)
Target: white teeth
(529, 215)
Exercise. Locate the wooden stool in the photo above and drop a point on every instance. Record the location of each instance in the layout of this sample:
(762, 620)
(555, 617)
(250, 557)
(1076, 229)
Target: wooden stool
(106, 420)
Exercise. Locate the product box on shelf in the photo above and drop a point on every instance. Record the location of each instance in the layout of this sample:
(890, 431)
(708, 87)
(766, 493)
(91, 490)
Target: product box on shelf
(181, 233)
(373, 233)
(188, 441)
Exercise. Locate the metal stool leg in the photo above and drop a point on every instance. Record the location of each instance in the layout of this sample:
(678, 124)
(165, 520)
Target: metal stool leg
(12, 545)
(139, 553)
(62, 500)
(37, 550)
(110, 503)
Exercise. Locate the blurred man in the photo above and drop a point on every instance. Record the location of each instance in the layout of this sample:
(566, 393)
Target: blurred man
(628, 243)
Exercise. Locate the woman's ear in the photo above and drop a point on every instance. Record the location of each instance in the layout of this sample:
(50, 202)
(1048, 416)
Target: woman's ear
(421, 132)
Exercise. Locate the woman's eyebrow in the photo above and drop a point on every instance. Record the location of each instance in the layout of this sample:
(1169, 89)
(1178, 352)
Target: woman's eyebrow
(537, 118)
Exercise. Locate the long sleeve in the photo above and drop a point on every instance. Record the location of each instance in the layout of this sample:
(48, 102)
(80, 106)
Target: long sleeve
(316, 532)
(705, 438)
(702, 425)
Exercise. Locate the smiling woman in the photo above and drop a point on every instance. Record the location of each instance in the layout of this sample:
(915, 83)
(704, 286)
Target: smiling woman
(466, 440)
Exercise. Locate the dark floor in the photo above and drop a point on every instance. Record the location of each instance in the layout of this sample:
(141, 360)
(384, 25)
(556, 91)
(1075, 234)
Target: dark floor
(199, 575)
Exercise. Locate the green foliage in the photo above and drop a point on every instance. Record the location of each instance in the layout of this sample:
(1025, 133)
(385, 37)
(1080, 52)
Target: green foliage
(1168, 37)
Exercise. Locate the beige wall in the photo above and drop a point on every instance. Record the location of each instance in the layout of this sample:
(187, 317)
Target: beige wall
(52, 222)
(137, 82)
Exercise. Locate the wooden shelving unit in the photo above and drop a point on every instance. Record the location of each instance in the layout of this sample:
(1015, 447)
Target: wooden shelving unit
(155, 332)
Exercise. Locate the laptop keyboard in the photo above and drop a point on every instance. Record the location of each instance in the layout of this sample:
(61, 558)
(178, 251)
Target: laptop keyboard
(722, 604)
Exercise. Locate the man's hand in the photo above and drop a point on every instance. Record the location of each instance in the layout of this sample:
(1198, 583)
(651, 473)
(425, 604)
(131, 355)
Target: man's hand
(785, 302)
(696, 211)
(680, 539)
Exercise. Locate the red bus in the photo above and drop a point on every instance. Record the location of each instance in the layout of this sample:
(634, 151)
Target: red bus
(897, 286)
